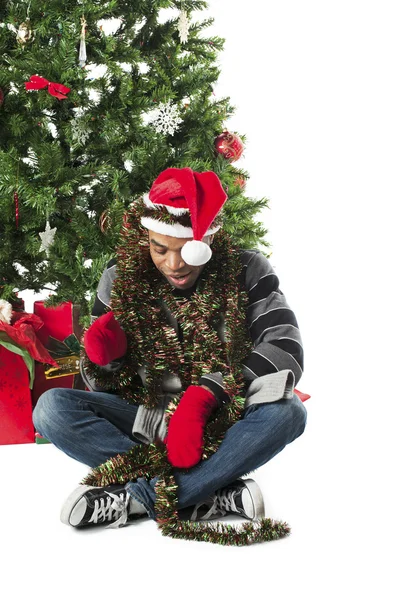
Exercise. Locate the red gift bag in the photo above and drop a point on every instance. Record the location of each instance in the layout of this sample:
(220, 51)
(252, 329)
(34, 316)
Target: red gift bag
(19, 349)
(15, 400)
(60, 334)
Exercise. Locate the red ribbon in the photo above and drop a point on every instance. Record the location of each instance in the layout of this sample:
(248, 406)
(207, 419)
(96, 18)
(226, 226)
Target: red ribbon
(23, 332)
(58, 90)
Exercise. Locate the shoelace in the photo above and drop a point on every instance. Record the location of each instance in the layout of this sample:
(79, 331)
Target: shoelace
(223, 502)
(114, 507)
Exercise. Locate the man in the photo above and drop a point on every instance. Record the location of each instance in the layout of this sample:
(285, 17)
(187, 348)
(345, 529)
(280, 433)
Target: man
(171, 317)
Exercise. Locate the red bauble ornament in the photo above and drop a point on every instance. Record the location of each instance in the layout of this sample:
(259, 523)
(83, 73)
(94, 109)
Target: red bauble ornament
(104, 221)
(229, 145)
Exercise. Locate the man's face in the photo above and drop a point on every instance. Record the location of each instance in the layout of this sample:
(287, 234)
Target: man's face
(165, 252)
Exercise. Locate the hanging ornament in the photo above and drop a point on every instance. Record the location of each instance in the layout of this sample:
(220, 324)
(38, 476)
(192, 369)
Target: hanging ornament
(104, 221)
(47, 237)
(1, 97)
(25, 33)
(16, 202)
(80, 131)
(82, 45)
(229, 145)
(183, 25)
(166, 118)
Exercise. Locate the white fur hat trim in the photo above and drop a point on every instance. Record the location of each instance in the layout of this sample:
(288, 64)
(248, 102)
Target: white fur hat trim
(176, 230)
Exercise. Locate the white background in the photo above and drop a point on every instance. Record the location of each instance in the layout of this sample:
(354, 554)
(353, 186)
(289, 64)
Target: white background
(316, 86)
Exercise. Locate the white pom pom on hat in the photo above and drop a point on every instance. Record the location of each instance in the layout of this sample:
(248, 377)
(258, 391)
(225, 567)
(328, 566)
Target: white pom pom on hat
(196, 253)
(180, 191)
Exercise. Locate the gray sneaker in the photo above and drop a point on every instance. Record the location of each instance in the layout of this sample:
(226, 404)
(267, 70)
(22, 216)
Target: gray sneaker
(243, 498)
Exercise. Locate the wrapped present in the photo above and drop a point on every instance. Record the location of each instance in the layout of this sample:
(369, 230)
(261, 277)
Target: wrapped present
(60, 334)
(19, 349)
(39, 439)
(302, 396)
(16, 425)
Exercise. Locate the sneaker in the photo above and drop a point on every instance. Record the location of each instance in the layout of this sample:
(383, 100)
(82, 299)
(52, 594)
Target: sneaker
(89, 505)
(243, 498)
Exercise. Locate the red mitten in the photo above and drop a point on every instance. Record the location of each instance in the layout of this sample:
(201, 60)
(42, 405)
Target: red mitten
(105, 340)
(186, 428)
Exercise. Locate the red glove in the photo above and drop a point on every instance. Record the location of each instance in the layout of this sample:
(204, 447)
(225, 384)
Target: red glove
(105, 340)
(186, 428)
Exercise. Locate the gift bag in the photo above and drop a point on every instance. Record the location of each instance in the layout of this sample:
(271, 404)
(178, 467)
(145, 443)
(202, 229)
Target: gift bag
(16, 425)
(19, 349)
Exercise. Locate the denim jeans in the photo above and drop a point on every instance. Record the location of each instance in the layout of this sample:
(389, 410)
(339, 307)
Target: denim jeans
(93, 426)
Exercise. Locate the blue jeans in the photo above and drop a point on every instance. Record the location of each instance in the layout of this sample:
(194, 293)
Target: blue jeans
(92, 427)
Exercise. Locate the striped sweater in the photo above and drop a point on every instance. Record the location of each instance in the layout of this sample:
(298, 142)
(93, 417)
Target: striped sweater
(275, 363)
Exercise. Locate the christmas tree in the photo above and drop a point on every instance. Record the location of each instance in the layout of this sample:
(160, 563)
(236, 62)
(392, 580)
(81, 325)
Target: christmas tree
(96, 99)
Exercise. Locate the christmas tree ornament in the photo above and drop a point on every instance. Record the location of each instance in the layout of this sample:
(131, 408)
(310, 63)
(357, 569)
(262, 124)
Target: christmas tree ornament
(47, 237)
(229, 145)
(80, 131)
(82, 45)
(58, 90)
(166, 118)
(104, 221)
(25, 33)
(16, 203)
(183, 25)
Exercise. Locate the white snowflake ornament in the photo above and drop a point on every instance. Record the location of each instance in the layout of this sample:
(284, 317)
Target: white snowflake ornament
(166, 118)
(80, 131)
(183, 27)
(47, 237)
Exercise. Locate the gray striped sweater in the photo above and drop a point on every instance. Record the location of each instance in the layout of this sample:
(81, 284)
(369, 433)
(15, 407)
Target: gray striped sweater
(271, 370)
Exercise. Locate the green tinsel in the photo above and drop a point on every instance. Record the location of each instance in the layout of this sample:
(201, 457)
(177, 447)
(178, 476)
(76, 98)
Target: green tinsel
(154, 343)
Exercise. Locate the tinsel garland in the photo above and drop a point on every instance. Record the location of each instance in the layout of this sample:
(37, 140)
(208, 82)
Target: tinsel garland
(154, 343)
(151, 461)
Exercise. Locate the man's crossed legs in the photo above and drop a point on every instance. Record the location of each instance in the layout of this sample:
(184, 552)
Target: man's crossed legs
(92, 427)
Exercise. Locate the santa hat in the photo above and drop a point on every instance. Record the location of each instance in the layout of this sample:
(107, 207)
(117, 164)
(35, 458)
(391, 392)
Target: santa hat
(185, 204)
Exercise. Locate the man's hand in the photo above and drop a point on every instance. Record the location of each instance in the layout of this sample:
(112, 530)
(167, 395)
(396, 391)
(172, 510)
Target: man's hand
(105, 340)
(186, 427)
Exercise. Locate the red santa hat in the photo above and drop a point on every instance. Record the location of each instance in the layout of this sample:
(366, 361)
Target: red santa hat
(189, 202)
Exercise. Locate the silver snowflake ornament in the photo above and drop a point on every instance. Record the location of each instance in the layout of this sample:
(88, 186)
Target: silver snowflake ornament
(166, 118)
(80, 131)
(183, 27)
(47, 237)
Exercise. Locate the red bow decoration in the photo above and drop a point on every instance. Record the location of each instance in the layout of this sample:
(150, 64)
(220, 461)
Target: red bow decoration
(55, 89)
(23, 332)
